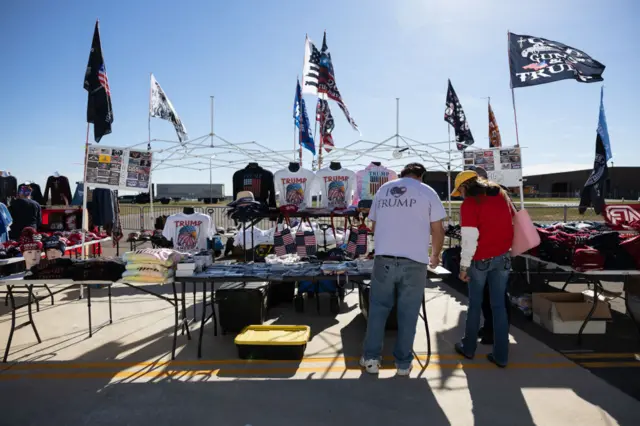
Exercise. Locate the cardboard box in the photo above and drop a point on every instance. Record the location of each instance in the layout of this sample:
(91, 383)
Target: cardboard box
(564, 313)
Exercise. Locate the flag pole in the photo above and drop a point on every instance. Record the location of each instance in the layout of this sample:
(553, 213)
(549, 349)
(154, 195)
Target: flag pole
(397, 122)
(449, 171)
(210, 158)
(85, 213)
(315, 134)
(149, 149)
(515, 119)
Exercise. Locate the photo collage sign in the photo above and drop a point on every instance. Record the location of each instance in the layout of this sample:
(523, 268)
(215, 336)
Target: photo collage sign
(118, 168)
(503, 165)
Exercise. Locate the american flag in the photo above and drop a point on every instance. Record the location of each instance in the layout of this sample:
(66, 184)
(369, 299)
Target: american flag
(102, 78)
(324, 117)
(253, 185)
(375, 182)
(99, 111)
(318, 76)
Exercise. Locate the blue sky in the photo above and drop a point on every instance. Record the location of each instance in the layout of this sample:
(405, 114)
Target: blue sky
(248, 54)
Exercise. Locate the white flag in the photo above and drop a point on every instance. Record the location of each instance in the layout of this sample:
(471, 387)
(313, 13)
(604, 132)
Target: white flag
(161, 107)
(311, 68)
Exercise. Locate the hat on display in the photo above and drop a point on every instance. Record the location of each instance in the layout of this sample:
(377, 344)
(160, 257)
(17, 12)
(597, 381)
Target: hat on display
(461, 179)
(288, 208)
(32, 245)
(55, 243)
(480, 171)
(28, 232)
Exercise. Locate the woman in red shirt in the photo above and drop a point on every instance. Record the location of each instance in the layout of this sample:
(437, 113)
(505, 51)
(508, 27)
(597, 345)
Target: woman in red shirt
(486, 221)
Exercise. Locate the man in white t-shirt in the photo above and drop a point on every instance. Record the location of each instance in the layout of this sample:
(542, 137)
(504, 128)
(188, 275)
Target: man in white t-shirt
(407, 218)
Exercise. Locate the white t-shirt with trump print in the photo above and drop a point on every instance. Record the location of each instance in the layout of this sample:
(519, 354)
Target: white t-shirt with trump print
(188, 231)
(336, 187)
(403, 210)
(294, 187)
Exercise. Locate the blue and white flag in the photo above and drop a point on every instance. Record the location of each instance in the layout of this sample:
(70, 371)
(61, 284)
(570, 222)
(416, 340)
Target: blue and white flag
(593, 193)
(603, 131)
(301, 120)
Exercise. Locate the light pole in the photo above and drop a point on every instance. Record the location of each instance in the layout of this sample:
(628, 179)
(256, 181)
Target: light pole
(211, 179)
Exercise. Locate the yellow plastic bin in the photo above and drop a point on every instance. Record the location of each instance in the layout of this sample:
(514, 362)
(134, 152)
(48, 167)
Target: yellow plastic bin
(276, 342)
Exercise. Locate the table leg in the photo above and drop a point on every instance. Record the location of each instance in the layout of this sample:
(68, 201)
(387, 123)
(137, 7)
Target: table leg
(194, 301)
(110, 312)
(13, 321)
(175, 326)
(426, 326)
(29, 310)
(213, 309)
(50, 294)
(185, 321)
(596, 285)
(204, 315)
(89, 307)
(568, 281)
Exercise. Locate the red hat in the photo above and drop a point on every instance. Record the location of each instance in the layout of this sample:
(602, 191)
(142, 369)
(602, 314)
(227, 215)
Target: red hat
(33, 245)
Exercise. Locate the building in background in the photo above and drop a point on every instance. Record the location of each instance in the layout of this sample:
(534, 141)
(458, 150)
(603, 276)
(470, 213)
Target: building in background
(623, 182)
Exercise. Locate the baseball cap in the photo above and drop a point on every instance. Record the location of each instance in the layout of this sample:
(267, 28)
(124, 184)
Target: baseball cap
(480, 171)
(463, 177)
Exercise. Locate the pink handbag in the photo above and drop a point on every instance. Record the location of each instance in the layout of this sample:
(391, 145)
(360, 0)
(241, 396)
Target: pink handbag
(525, 234)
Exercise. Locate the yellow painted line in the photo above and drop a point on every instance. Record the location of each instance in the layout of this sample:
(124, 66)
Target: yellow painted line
(191, 363)
(266, 372)
(594, 355)
(615, 364)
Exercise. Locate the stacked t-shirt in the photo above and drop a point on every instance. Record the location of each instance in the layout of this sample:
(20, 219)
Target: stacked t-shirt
(370, 180)
(150, 265)
(189, 232)
(294, 187)
(336, 187)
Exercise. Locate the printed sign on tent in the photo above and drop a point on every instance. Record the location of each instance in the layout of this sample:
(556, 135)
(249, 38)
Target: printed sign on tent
(503, 165)
(118, 168)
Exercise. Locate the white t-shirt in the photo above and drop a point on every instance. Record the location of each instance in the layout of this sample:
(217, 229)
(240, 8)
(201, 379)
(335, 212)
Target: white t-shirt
(336, 187)
(294, 187)
(403, 210)
(188, 231)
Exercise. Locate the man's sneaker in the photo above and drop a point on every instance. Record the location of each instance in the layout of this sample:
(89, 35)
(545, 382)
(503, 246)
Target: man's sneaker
(372, 366)
(403, 371)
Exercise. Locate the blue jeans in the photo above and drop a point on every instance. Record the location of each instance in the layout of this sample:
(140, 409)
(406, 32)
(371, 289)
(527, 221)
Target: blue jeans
(493, 272)
(407, 279)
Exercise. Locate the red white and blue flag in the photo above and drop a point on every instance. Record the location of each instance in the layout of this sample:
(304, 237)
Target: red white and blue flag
(99, 111)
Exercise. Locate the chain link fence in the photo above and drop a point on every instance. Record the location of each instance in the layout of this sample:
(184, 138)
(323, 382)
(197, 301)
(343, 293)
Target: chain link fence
(136, 218)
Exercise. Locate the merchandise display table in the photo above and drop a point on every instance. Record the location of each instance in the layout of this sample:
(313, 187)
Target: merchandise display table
(18, 280)
(72, 250)
(263, 273)
(585, 277)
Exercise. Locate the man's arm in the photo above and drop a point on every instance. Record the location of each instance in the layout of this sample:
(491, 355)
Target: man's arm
(437, 238)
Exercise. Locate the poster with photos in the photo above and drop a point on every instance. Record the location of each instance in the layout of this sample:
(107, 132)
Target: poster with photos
(503, 165)
(118, 168)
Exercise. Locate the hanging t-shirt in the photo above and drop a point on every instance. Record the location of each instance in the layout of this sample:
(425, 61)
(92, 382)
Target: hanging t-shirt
(403, 211)
(188, 231)
(294, 187)
(336, 187)
(370, 180)
(257, 180)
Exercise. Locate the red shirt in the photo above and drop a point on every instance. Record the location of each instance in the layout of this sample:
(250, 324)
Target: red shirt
(493, 218)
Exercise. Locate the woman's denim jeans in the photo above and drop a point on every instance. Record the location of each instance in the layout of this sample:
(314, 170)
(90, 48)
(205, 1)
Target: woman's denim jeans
(493, 272)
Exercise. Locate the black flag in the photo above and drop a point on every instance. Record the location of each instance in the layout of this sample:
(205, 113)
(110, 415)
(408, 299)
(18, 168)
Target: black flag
(594, 187)
(535, 60)
(454, 115)
(99, 110)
